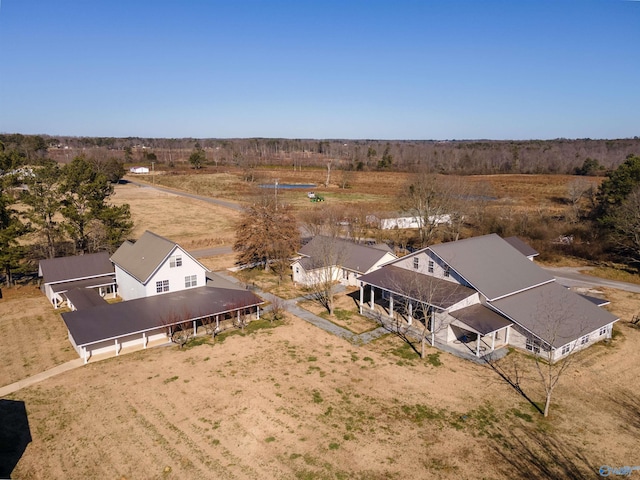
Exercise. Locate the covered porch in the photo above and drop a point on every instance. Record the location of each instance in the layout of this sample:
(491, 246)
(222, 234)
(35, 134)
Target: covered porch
(479, 329)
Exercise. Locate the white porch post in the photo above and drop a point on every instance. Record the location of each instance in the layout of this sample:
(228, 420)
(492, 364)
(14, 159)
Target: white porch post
(373, 304)
(506, 335)
(361, 296)
(195, 331)
(478, 346)
(410, 320)
(391, 305)
(257, 312)
(117, 351)
(144, 339)
(84, 355)
(217, 322)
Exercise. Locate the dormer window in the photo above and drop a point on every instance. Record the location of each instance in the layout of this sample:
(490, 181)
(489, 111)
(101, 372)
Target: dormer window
(430, 266)
(175, 261)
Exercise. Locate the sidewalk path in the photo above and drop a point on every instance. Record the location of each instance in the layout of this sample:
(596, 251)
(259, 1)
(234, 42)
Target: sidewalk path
(38, 377)
(292, 307)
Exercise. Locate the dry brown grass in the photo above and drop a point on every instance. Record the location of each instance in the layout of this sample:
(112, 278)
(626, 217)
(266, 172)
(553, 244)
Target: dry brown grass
(34, 337)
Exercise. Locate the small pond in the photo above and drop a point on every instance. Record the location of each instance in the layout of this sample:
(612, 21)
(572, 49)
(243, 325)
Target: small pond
(289, 186)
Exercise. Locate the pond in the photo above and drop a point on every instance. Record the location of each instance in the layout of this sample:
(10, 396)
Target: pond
(288, 186)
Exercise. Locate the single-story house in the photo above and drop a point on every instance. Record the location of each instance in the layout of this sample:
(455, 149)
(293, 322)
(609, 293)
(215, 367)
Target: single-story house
(139, 170)
(404, 220)
(108, 328)
(154, 265)
(485, 293)
(63, 274)
(338, 259)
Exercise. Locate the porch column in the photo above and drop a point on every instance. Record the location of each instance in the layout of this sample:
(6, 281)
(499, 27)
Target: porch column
(391, 305)
(478, 346)
(257, 312)
(373, 304)
(117, 350)
(144, 339)
(410, 314)
(217, 322)
(195, 331)
(493, 341)
(361, 296)
(84, 355)
(506, 334)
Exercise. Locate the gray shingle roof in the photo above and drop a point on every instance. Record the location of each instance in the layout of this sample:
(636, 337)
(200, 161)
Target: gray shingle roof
(491, 265)
(524, 248)
(64, 269)
(352, 256)
(554, 313)
(110, 321)
(142, 258)
(83, 298)
(434, 291)
(482, 319)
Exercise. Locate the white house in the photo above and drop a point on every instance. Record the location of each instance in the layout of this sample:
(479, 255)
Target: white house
(154, 265)
(139, 170)
(61, 275)
(484, 293)
(402, 221)
(338, 259)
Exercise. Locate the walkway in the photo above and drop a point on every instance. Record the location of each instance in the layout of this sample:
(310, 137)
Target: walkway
(38, 377)
(292, 307)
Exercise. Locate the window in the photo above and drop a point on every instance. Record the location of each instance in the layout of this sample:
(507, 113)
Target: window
(416, 263)
(566, 349)
(162, 286)
(532, 346)
(446, 270)
(603, 331)
(190, 281)
(584, 340)
(430, 266)
(175, 261)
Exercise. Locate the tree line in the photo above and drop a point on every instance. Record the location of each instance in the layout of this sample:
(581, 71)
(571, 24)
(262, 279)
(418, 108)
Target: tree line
(48, 210)
(463, 157)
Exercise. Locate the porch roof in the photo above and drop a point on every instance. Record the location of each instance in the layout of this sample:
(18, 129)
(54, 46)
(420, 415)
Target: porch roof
(87, 283)
(481, 319)
(110, 321)
(417, 286)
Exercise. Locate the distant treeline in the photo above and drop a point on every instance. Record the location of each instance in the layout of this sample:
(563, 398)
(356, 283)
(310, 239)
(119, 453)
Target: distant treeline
(564, 156)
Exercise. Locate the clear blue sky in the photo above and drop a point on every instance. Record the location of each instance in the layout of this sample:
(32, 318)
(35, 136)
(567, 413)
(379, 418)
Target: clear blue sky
(447, 69)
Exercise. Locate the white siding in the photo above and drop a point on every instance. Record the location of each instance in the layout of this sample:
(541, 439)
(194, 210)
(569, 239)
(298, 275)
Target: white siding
(176, 275)
(128, 287)
(423, 266)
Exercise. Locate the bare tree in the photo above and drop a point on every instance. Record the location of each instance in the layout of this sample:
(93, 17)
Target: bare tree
(626, 222)
(266, 234)
(429, 197)
(178, 326)
(328, 254)
(576, 191)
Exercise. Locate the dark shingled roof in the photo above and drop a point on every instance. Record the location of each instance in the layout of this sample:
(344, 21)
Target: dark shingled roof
(554, 313)
(88, 283)
(111, 321)
(481, 319)
(83, 298)
(352, 256)
(491, 265)
(434, 291)
(64, 269)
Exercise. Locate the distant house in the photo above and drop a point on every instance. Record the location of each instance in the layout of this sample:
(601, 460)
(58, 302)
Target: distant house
(348, 260)
(483, 293)
(404, 220)
(60, 276)
(154, 265)
(139, 170)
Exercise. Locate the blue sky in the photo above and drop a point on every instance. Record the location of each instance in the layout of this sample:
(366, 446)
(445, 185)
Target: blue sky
(447, 69)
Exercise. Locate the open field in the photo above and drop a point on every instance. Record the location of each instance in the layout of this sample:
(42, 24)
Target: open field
(296, 402)
(190, 222)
